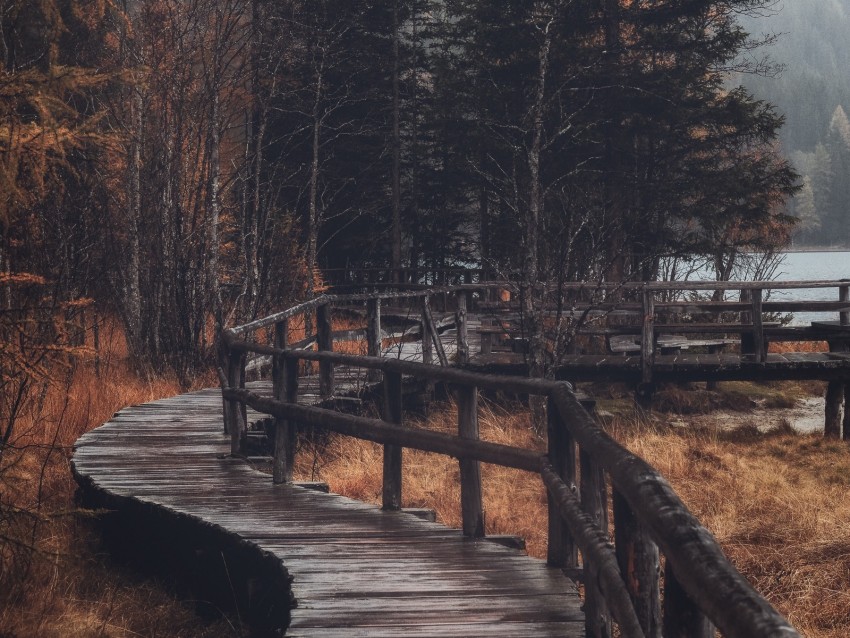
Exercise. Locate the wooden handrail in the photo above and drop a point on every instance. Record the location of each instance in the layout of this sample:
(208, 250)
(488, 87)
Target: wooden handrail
(696, 567)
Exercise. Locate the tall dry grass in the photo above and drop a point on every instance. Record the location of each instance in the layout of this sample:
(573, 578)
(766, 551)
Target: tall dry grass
(778, 503)
(54, 578)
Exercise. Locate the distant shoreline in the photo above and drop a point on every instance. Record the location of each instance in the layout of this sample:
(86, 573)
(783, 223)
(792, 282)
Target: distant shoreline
(816, 249)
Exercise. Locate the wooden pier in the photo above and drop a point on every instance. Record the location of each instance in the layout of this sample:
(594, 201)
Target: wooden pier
(356, 570)
(359, 570)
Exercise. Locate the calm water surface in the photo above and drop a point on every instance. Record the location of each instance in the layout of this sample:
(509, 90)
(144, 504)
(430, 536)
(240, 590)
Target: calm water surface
(812, 265)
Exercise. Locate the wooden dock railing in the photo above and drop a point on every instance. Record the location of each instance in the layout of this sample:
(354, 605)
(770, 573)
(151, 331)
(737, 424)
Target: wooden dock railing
(701, 589)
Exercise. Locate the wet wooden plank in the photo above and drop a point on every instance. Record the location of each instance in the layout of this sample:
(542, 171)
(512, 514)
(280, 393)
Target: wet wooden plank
(357, 570)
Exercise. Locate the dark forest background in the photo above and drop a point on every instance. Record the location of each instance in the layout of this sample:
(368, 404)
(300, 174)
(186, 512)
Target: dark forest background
(813, 92)
(184, 164)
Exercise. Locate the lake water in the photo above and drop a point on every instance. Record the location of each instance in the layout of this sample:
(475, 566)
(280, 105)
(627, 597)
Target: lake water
(805, 266)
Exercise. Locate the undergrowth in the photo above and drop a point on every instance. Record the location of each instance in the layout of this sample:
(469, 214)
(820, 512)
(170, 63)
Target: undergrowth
(55, 579)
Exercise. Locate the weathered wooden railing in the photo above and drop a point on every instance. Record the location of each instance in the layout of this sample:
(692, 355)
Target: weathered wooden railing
(622, 582)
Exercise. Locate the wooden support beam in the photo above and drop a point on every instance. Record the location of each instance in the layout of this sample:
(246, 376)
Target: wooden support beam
(427, 339)
(373, 335)
(324, 321)
(682, 618)
(393, 408)
(462, 336)
(486, 337)
(594, 501)
(561, 550)
(286, 430)
(638, 558)
(832, 409)
(647, 349)
(428, 319)
(236, 421)
(759, 344)
(472, 509)
(844, 298)
(280, 472)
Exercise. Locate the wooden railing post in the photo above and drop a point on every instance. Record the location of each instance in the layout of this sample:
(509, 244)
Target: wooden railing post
(462, 336)
(428, 319)
(594, 501)
(486, 337)
(284, 388)
(393, 406)
(427, 339)
(647, 349)
(326, 343)
(472, 509)
(235, 379)
(638, 558)
(844, 297)
(561, 549)
(746, 318)
(373, 335)
(759, 345)
(682, 618)
(286, 431)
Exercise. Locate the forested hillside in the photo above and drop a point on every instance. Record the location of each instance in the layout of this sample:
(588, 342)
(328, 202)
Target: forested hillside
(182, 163)
(813, 92)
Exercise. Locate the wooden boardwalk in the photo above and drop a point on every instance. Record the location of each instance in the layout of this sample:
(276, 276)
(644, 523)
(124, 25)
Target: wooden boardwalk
(356, 570)
(825, 366)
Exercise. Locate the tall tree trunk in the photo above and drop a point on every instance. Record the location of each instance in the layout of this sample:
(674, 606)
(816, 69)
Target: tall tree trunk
(313, 205)
(532, 306)
(396, 171)
(213, 288)
(132, 289)
(613, 194)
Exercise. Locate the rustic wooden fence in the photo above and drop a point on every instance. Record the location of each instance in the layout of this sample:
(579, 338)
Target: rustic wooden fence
(623, 582)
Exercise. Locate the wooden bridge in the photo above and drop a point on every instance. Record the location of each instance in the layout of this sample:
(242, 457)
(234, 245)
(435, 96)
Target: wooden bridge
(358, 570)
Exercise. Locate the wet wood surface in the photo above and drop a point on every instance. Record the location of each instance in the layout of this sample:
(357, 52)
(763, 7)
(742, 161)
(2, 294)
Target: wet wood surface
(357, 570)
(682, 366)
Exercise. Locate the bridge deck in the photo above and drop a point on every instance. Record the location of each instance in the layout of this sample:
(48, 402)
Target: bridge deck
(683, 367)
(357, 571)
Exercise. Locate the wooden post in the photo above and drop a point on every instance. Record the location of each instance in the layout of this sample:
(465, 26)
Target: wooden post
(472, 509)
(427, 339)
(832, 410)
(462, 336)
(594, 501)
(236, 421)
(682, 618)
(747, 346)
(393, 407)
(759, 345)
(844, 297)
(284, 431)
(647, 349)
(224, 367)
(486, 337)
(373, 335)
(561, 550)
(326, 343)
(638, 558)
(428, 319)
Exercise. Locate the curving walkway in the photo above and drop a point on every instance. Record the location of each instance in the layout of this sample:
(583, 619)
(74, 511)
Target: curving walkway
(355, 570)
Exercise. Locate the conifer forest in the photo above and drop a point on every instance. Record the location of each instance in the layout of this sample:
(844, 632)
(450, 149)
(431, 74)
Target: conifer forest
(169, 168)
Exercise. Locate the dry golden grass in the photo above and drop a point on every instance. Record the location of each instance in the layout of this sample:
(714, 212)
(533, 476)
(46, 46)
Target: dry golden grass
(798, 346)
(778, 503)
(54, 581)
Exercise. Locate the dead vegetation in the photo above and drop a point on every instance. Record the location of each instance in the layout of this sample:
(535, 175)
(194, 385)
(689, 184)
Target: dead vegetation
(778, 502)
(55, 579)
